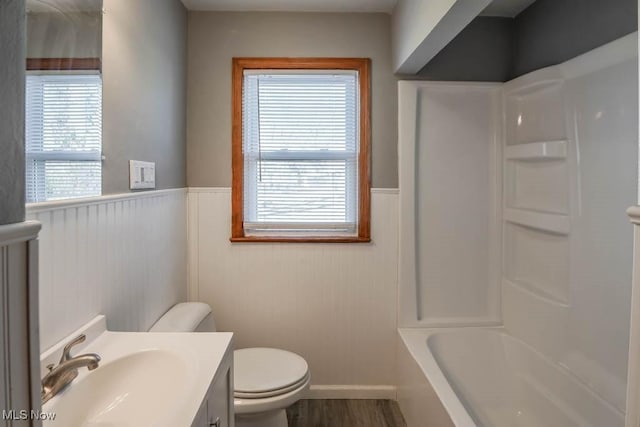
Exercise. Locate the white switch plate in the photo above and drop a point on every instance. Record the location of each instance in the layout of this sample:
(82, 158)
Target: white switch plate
(142, 175)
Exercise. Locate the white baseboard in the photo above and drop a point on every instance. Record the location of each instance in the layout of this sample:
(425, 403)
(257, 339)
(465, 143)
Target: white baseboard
(352, 392)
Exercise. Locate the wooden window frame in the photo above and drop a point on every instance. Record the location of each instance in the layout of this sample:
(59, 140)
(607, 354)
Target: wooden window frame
(63, 64)
(363, 67)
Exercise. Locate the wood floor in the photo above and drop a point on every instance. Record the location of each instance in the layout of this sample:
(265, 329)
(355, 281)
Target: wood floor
(345, 413)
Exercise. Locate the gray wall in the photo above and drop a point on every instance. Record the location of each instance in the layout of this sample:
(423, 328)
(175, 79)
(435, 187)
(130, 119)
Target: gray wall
(12, 46)
(144, 94)
(64, 35)
(551, 31)
(548, 32)
(216, 37)
(481, 52)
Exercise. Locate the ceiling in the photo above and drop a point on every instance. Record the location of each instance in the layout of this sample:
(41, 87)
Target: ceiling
(506, 8)
(293, 5)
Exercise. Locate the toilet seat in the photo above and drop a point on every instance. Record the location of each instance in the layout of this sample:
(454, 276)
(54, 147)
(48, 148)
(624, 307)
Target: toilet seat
(271, 393)
(251, 407)
(267, 372)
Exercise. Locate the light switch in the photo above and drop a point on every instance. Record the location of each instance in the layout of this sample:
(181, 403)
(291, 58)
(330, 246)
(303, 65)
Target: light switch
(142, 175)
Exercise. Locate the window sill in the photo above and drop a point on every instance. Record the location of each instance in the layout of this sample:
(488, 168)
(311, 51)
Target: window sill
(307, 239)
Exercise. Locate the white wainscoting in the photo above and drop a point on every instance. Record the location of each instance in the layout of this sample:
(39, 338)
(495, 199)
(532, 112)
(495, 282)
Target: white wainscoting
(335, 304)
(19, 355)
(633, 377)
(122, 256)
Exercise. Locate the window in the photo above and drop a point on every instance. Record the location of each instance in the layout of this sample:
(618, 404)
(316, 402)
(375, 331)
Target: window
(300, 150)
(63, 136)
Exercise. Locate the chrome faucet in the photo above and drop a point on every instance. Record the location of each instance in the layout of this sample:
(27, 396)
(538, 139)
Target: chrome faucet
(60, 376)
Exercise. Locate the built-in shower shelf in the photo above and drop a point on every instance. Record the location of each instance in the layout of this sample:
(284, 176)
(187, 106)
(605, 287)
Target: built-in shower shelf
(553, 223)
(547, 150)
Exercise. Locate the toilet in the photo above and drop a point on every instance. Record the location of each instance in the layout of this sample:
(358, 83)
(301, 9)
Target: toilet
(266, 380)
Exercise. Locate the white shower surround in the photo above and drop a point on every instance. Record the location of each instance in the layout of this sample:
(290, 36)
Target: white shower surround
(453, 250)
(566, 252)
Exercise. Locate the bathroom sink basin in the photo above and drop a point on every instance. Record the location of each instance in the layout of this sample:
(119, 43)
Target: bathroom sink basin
(128, 391)
(143, 378)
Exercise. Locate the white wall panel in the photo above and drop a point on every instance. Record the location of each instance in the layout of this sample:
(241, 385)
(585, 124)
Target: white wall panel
(567, 289)
(122, 256)
(19, 355)
(633, 378)
(536, 113)
(449, 203)
(537, 260)
(335, 304)
(535, 185)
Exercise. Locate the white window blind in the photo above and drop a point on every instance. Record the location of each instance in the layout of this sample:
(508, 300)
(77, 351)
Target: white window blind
(63, 136)
(300, 149)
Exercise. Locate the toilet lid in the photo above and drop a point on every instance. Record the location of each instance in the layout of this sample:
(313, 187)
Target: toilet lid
(261, 370)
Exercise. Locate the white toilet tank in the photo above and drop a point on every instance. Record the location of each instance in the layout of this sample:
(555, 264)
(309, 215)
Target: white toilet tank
(186, 317)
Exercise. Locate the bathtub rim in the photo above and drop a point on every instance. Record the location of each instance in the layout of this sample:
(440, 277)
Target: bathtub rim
(415, 341)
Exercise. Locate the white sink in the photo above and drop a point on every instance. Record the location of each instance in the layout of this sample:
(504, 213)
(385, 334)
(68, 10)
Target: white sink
(125, 392)
(144, 378)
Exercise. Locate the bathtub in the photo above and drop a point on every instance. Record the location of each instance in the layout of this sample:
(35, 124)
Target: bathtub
(468, 377)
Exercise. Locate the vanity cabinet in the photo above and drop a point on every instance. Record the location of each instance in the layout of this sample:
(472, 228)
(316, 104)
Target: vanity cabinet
(216, 409)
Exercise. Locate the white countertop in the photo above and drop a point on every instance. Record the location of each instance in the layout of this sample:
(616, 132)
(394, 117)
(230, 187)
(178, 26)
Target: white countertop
(193, 358)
